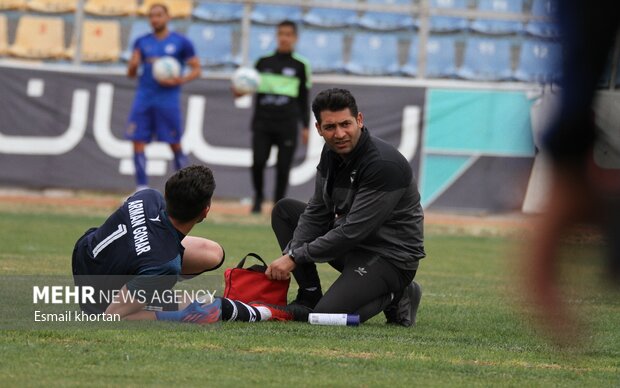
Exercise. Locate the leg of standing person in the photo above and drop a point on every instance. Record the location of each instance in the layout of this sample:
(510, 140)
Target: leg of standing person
(261, 148)
(284, 218)
(169, 129)
(287, 144)
(140, 131)
(139, 161)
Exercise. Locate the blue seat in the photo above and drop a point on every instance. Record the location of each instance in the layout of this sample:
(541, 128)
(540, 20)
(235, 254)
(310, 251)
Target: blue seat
(410, 67)
(331, 17)
(262, 41)
(539, 61)
(387, 21)
(274, 14)
(496, 26)
(218, 12)
(545, 29)
(486, 59)
(323, 48)
(440, 57)
(213, 43)
(373, 54)
(138, 28)
(448, 23)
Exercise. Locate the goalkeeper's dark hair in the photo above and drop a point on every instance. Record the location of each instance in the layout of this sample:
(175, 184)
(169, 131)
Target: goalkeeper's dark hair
(188, 192)
(333, 100)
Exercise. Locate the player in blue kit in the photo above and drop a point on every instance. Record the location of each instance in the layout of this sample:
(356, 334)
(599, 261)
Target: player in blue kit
(156, 111)
(142, 249)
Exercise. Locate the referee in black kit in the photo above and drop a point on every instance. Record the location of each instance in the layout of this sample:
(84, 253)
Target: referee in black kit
(281, 108)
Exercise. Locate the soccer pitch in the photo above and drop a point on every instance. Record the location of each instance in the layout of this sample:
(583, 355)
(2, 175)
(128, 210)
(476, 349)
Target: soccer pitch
(470, 330)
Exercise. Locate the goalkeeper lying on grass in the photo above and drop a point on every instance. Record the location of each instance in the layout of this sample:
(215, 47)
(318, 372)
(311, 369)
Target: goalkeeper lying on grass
(143, 248)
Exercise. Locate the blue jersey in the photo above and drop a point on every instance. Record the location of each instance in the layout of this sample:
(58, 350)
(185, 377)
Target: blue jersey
(137, 246)
(150, 48)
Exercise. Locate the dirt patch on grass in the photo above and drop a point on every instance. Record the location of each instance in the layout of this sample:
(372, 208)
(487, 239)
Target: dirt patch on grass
(234, 211)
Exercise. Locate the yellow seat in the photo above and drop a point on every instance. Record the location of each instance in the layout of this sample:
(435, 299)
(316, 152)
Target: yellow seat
(39, 37)
(3, 35)
(177, 8)
(52, 6)
(12, 4)
(101, 41)
(111, 7)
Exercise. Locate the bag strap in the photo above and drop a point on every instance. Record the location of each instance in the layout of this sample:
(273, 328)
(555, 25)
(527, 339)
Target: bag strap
(251, 254)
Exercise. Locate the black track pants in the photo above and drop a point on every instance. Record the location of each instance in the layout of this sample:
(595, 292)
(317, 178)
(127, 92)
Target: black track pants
(367, 282)
(284, 136)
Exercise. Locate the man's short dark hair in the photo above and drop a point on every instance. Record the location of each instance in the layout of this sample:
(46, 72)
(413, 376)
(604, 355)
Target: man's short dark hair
(288, 23)
(161, 5)
(333, 100)
(189, 192)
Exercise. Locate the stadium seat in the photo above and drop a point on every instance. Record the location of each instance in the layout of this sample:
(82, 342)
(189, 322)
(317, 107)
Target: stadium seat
(486, 59)
(386, 21)
(539, 61)
(52, 6)
(547, 9)
(213, 43)
(39, 38)
(440, 57)
(3, 35)
(12, 4)
(373, 54)
(138, 28)
(101, 41)
(448, 23)
(274, 14)
(111, 7)
(262, 41)
(496, 26)
(219, 12)
(323, 48)
(332, 17)
(177, 8)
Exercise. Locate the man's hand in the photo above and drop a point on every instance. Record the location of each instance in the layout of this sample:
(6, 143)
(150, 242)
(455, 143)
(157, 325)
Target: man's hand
(281, 268)
(176, 81)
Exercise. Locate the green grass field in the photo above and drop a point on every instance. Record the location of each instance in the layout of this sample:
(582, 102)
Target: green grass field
(470, 331)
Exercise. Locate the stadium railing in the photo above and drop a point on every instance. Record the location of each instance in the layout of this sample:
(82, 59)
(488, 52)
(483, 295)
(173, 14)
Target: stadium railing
(244, 14)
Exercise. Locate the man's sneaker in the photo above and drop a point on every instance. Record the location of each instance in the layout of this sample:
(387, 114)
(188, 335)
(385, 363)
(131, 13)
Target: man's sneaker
(403, 311)
(289, 312)
(203, 313)
(307, 299)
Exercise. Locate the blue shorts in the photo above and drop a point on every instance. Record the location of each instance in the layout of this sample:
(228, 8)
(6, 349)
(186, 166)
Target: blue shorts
(149, 122)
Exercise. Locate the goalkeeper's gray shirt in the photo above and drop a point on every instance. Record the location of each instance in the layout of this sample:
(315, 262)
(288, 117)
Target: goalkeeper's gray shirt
(367, 203)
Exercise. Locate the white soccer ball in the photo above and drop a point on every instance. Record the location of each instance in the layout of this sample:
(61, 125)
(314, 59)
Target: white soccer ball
(165, 68)
(245, 80)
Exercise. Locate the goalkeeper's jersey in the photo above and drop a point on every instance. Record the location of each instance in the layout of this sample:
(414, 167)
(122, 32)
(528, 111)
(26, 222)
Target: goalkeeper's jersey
(136, 246)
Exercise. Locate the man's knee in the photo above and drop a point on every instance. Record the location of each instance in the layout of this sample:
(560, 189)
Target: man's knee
(286, 209)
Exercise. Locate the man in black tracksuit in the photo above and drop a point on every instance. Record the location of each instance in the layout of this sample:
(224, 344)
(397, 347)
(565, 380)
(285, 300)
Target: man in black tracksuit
(281, 106)
(364, 218)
